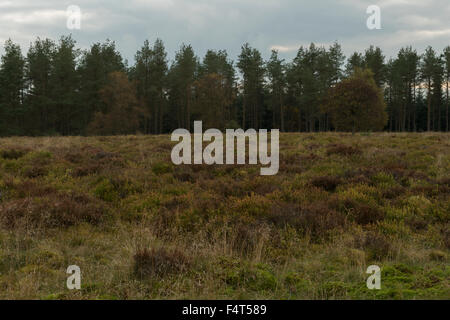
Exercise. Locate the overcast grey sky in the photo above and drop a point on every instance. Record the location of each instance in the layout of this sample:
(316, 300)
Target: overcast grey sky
(227, 24)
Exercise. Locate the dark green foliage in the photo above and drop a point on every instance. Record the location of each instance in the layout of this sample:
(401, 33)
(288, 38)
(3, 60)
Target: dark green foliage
(56, 89)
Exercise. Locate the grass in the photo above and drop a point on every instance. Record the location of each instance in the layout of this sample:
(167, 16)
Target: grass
(142, 228)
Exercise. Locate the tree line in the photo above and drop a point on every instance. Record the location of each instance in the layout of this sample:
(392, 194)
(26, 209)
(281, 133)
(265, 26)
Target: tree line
(58, 89)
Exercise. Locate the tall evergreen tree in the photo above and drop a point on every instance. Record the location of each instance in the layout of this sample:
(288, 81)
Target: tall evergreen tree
(277, 85)
(12, 86)
(95, 66)
(336, 61)
(183, 73)
(402, 82)
(374, 60)
(38, 70)
(141, 75)
(311, 74)
(356, 60)
(158, 84)
(251, 66)
(216, 78)
(64, 82)
(428, 74)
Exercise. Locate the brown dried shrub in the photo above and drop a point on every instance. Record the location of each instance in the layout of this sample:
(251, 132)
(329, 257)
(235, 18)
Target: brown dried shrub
(184, 174)
(159, 262)
(245, 238)
(417, 222)
(316, 219)
(35, 171)
(327, 183)
(363, 213)
(202, 167)
(89, 157)
(444, 182)
(428, 191)
(447, 238)
(164, 223)
(225, 187)
(86, 170)
(376, 245)
(28, 188)
(295, 163)
(12, 154)
(393, 192)
(357, 176)
(51, 211)
(261, 186)
(342, 149)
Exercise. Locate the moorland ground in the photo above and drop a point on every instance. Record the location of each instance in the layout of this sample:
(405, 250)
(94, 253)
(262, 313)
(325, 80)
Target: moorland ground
(141, 228)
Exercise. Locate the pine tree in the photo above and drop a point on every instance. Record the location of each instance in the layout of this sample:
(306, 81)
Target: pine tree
(374, 60)
(12, 87)
(182, 76)
(251, 66)
(277, 85)
(356, 60)
(95, 66)
(64, 82)
(38, 70)
(216, 84)
(158, 83)
(428, 74)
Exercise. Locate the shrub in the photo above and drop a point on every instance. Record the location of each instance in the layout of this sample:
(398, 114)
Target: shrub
(34, 171)
(342, 149)
(438, 255)
(245, 239)
(161, 168)
(159, 262)
(86, 170)
(184, 174)
(326, 182)
(393, 192)
(363, 213)
(257, 278)
(106, 191)
(28, 188)
(52, 211)
(447, 238)
(12, 154)
(376, 245)
(317, 219)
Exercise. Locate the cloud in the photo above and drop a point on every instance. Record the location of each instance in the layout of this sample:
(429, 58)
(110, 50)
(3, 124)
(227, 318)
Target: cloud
(48, 17)
(284, 25)
(415, 21)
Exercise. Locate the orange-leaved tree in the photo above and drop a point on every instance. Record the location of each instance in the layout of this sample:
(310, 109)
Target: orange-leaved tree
(356, 103)
(212, 100)
(123, 111)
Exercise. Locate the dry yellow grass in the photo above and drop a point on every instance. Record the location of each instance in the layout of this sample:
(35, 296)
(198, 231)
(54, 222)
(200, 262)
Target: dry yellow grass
(116, 206)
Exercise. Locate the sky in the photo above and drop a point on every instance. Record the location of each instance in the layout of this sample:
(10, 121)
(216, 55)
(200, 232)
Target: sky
(284, 25)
